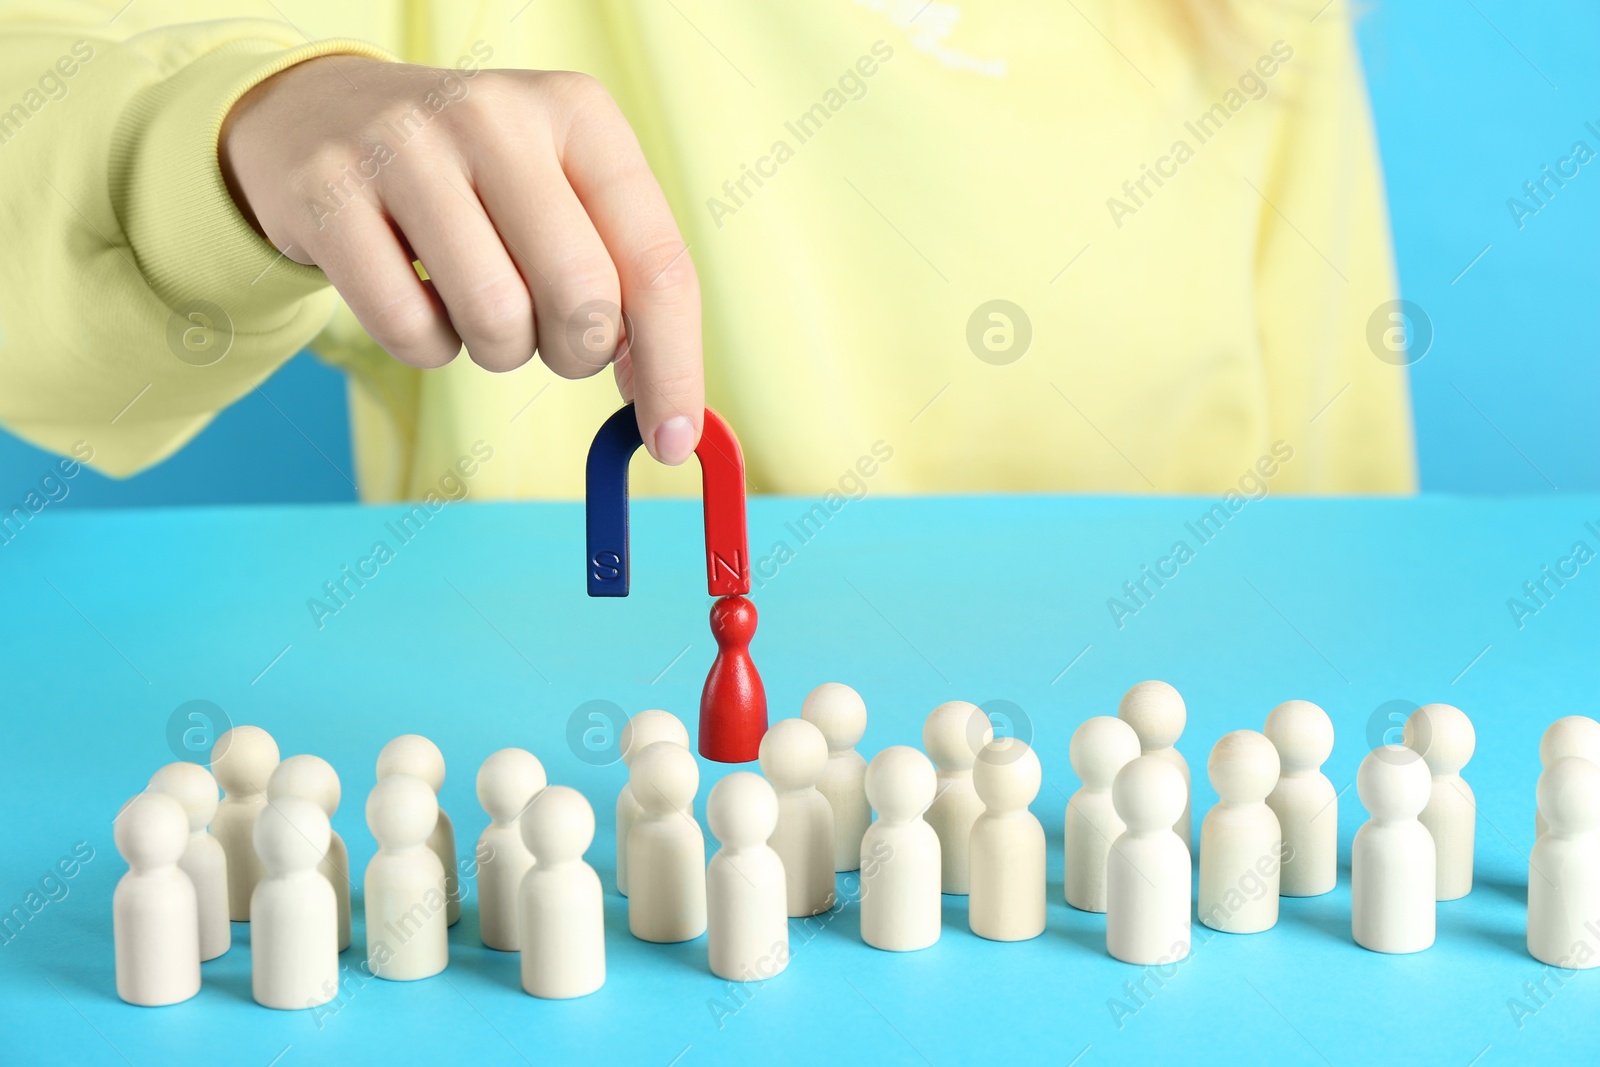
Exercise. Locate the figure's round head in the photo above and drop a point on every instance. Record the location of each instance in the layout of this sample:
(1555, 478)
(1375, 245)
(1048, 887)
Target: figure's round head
(1149, 794)
(402, 811)
(558, 826)
(900, 783)
(742, 810)
(1302, 733)
(1569, 795)
(1442, 735)
(954, 733)
(793, 754)
(1243, 767)
(648, 727)
(1573, 735)
(1156, 712)
(151, 831)
(1394, 783)
(839, 712)
(507, 780)
(1101, 747)
(243, 760)
(307, 776)
(664, 778)
(733, 618)
(1007, 774)
(415, 755)
(291, 834)
(192, 786)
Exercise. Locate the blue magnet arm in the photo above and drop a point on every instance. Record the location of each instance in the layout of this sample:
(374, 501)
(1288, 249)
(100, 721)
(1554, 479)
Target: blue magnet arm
(606, 507)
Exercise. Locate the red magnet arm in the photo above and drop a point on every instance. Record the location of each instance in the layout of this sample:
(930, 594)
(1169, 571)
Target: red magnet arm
(722, 493)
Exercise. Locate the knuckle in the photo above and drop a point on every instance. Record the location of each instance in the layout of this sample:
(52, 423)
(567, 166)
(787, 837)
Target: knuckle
(666, 267)
(406, 117)
(408, 329)
(307, 179)
(497, 312)
(585, 280)
(499, 361)
(576, 91)
(572, 370)
(671, 387)
(489, 95)
(584, 312)
(571, 100)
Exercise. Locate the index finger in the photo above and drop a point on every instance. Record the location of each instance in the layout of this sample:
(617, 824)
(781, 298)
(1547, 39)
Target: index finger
(660, 288)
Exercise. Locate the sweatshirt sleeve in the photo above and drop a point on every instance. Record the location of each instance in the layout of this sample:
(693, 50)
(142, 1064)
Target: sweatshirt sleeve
(1325, 273)
(135, 300)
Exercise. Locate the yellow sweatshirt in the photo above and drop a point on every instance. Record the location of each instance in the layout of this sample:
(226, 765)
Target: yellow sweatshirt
(999, 245)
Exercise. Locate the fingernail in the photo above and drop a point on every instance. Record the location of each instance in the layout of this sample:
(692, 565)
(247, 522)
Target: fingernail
(675, 440)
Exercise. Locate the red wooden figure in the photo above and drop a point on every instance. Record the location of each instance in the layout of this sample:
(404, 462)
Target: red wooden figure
(733, 705)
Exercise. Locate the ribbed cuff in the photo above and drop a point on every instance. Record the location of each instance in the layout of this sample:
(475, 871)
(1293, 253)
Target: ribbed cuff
(189, 238)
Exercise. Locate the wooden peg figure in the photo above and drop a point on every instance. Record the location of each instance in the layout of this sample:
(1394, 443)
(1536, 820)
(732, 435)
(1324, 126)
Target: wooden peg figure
(1393, 876)
(1241, 840)
(666, 850)
(1304, 800)
(294, 914)
(1157, 713)
(507, 783)
(952, 736)
(560, 910)
(747, 928)
(405, 898)
(1443, 736)
(1148, 876)
(1572, 735)
(419, 757)
(314, 778)
(1006, 850)
(900, 903)
(1100, 748)
(203, 860)
(733, 704)
(639, 733)
(793, 755)
(155, 915)
(840, 713)
(1564, 867)
(242, 760)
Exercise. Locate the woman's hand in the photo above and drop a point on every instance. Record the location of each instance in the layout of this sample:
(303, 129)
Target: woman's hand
(525, 196)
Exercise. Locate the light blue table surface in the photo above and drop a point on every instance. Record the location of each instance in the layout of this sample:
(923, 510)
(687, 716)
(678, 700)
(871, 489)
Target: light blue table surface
(478, 634)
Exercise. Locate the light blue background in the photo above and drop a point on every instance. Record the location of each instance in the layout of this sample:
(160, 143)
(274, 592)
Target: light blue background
(478, 634)
(1471, 98)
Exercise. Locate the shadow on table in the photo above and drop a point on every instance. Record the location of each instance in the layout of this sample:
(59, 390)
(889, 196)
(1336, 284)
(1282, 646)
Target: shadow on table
(689, 955)
(1327, 916)
(225, 973)
(1513, 891)
(1082, 929)
(842, 922)
(1511, 942)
